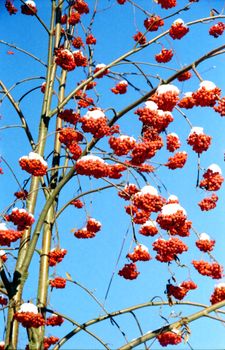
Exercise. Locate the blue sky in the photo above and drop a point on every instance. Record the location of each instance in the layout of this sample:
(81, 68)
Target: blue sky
(92, 262)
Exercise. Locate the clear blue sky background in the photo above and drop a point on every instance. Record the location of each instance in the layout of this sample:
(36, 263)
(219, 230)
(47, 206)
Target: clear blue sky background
(92, 262)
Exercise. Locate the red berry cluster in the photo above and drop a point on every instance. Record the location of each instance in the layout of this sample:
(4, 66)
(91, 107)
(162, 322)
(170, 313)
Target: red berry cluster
(218, 294)
(29, 9)
(128, 191)
(172, 142)
(77, 42)
(77, 203)
(205, 245)
(90, 39)
(3, 301)
(12, 10)
(213, 270)
(34, 167)
(129, 271)
(177, 161)
(206, 98)
(153, 23)
(64, 59)
(54, 320)
(21, 218)
(22, 194)
(184, 76)
(187, 102)
(92, 167)
(179, 292)
(103, 73)
(81, 6)
(178, 30)
(168, 250)
(199, 142)
(58, 282)
(98, 127)
(48, 341)
(30, 319)
(148, 202)
(212, 180)
(140, 253)
(220, 108)
(68, 115)
(167, 4)
(217, 29)
(148, 229)
(92, 227)
(166, 101)
(164, 56)
(140, 38)
(121, 145)
(138, 216)
(120, 88)
(157, 119)
(169, 338)
(74, 18)
(80, 59)
(208, 203)
(9, 236)
(56, 256)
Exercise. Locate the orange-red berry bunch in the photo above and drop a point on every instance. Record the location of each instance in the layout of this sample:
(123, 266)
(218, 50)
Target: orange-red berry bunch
(217, 29)
(121, 145)
(54, 320)
(220, 108)
(68, 115)
(12, 10)
(207, 94)
(212, 179)
(199, 141)
(120, 88)
(48, 341)
(164, 56)
(29, 8)
(30, 319)
(177, 161)
(208, 203)
(179, 292)
(129, 271)
(140, 253)
(96, 123)
(56, 256)
(65, 59)
(218, 293)
(21, 218)
(153, 23)
(167, 250)
(58, 282)
(92, 227)
(213, 270)
(172, 142)
(178, 29)
(167, 4)
(128, 191)
(169, 338)
(149, 228)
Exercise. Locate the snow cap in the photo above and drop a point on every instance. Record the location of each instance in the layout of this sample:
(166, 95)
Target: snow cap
(28, 307)
(170, 209)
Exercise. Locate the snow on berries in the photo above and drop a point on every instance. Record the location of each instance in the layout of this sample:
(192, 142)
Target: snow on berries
(96, 123)
(148, 199)
(204, 243)
(29, 8)
(199, 141)
(21, 218)
(65, 59)
(101, 67)
(34, 164)
(212, 178)
(173, 218)
(207, 94)
(166, 97)
(128, 191)
(178, 29)
(89, 231)
(187, 101)
(28, 316)
(56, 255)
(122, 145)
(140, 253)
(120, 88)
(149, 228)
(92, 166)
(217, 29)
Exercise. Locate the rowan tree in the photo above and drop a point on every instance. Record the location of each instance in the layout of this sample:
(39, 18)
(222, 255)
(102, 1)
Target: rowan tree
(111, 168)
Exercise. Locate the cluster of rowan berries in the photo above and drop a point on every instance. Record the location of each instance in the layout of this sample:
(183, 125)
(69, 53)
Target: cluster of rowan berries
(58, 282)
(56, 255)
(205, 268)
(34, 164)
(179, 292)
(169, 338)
(167, 250)
(208, 203)
(21, 218)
